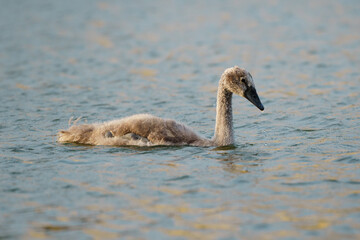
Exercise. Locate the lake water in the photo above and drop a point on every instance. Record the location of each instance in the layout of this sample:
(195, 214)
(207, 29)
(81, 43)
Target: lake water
(294, 172)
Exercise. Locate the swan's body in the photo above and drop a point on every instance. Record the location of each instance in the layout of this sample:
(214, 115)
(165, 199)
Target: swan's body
(148, 130)
(141, 129)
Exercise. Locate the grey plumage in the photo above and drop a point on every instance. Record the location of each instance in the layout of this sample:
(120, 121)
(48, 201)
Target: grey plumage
(148, 130)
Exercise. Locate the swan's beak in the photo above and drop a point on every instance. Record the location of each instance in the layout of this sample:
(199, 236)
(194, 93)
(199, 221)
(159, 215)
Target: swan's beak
(252, 96)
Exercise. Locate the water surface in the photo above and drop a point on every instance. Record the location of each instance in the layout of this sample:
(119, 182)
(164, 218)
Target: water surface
(293, 173)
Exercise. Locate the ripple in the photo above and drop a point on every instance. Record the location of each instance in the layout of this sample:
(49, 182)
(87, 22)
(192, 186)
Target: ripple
(300, 184)
(348, 159)
(57, 228)
(353, 182)
(308, 129)
(179, 178)
(13, 190)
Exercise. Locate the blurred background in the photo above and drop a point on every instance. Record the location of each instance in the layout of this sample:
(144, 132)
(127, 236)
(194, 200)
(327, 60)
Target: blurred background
(293, 174)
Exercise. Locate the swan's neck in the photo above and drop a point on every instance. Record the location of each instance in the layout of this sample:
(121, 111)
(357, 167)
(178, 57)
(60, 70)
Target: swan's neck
(224, 126)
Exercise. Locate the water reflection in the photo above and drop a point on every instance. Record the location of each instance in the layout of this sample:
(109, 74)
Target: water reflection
(237, 161)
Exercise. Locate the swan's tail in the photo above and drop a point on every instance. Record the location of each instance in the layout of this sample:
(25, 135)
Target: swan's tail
(76, 134)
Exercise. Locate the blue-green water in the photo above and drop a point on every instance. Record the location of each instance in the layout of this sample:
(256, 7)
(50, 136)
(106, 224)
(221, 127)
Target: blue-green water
(293, 174)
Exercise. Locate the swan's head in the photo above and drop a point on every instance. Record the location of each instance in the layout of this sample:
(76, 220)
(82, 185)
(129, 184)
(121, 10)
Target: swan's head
(240, 82)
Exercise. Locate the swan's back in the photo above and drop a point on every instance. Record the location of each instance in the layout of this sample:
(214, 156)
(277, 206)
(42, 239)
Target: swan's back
(148, 129)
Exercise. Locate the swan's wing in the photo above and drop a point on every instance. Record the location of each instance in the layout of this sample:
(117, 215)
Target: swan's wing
(156, 130)
(138, 130)
(129, 139)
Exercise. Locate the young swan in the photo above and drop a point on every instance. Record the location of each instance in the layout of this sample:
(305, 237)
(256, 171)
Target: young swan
(148, 130)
